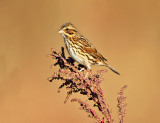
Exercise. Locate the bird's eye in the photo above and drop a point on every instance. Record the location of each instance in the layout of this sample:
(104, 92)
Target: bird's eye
(67, 29)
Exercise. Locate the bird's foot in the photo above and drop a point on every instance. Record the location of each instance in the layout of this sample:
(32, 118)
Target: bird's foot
(82, 69)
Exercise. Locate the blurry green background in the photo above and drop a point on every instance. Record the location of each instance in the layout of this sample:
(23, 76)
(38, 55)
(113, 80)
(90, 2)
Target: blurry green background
(126, 32)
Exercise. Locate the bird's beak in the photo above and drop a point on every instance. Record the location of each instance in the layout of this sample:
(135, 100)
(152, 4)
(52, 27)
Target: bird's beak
(60, 31)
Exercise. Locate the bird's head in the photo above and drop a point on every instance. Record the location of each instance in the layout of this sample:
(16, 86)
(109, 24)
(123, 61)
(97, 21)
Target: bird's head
(68, 30)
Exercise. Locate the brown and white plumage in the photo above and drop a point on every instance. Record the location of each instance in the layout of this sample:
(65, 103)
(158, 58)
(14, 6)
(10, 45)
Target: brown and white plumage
(81, 49)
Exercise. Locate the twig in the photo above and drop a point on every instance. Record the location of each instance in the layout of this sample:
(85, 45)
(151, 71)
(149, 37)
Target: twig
(76, 81)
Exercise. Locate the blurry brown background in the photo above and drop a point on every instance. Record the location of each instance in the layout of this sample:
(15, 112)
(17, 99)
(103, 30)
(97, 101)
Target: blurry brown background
(126, 32)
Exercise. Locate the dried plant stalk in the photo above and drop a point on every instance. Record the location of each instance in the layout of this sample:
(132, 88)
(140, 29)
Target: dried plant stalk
(121, 104)
(77, 82)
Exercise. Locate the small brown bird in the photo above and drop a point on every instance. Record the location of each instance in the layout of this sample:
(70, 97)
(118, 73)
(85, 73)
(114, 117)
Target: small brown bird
(81, 49)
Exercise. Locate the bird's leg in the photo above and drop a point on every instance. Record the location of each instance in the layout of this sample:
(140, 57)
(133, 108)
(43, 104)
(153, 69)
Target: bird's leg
(88, 72)
(83, 68)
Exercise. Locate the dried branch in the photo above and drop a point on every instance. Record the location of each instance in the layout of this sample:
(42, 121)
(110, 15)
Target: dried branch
(77, 82)
(121, 104)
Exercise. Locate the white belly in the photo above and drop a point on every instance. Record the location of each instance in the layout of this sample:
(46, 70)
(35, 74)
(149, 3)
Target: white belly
(75, 54)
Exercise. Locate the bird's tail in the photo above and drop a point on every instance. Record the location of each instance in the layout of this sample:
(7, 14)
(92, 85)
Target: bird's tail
(111, 68)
